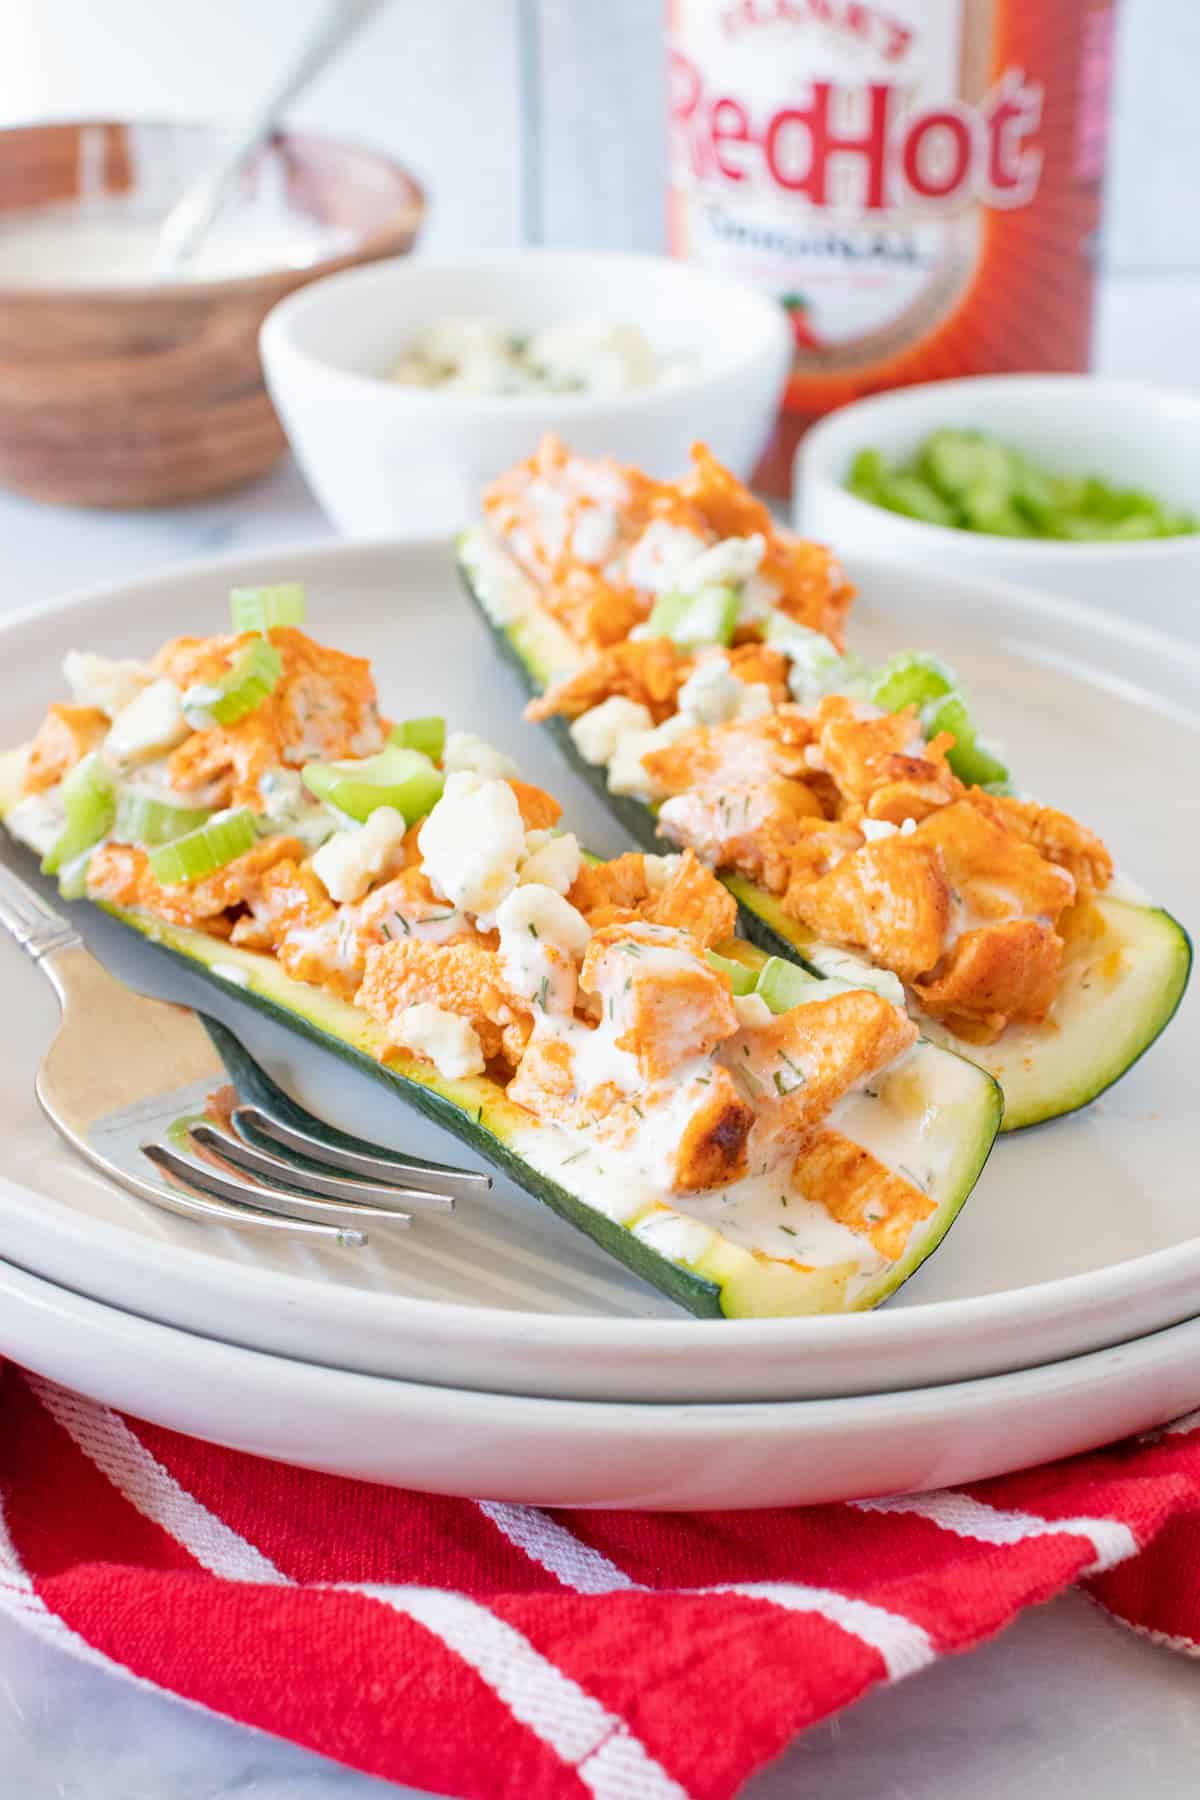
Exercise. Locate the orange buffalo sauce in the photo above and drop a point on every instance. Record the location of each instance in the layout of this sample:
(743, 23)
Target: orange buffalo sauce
(917, 181)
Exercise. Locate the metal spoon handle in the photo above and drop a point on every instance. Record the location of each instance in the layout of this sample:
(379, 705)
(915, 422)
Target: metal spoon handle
(195, 210)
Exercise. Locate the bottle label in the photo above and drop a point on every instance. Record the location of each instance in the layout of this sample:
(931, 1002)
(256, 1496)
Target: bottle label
(859, 162)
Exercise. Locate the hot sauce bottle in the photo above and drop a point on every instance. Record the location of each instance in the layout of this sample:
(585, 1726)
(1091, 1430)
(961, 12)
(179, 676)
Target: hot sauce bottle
(917, 181)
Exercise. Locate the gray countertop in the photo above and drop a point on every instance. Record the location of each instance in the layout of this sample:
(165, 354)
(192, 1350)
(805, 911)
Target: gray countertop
(1065, 1700)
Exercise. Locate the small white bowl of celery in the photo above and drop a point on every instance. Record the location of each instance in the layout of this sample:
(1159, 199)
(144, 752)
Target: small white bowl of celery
(1075, 484)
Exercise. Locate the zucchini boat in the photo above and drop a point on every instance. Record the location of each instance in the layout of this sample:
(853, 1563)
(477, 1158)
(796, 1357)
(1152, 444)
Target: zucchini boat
(750, 1140)
(1093, 975)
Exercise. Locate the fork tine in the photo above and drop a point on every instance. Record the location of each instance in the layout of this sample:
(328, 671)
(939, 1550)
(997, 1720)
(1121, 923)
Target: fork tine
(309, 1182)
(247, 1191)
(423, 1178)
(190, 1201)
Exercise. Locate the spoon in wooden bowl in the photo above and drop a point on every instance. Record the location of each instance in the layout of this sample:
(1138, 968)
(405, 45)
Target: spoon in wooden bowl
(193, 214)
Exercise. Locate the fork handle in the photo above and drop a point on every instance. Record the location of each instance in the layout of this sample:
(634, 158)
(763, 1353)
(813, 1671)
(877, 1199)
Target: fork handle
(28, 918)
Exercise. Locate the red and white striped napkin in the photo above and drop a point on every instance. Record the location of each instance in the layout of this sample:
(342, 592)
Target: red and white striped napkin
(483, 1650)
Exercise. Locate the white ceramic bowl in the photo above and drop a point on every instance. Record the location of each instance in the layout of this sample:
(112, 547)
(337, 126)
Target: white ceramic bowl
(383, 458)
(1124, 431)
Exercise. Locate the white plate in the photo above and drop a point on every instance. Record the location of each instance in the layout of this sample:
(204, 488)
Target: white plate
(1081, 1233)
(595, 1453)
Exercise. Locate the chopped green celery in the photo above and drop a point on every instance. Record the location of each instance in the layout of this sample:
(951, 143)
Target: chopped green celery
(989, 508)
(784, 985)
(141, 819)
(707, 617)
(868, 472)
(914, 498)
(426, 734)
(912, 678)
(262, 608)
(741, 978)
(394, 776)
(977, 766)
(970, 481)
(953, 462)
(970, 761)
(200, 852)
(89, 798)
(252, 676)
(1132, 529)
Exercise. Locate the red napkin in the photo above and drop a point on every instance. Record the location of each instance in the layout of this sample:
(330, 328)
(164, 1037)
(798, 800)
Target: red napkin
(483, 1649)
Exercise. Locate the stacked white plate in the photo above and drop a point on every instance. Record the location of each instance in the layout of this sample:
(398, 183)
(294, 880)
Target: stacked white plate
(499, 1354)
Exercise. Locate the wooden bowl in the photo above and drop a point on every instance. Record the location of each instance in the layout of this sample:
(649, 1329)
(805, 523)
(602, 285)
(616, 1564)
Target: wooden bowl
(143, 396)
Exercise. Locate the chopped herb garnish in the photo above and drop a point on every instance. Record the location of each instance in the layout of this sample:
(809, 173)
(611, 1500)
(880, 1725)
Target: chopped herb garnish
(915, 1179)
(789, 1230)
(543, 991)
(746, 1081)
(574, 1157)
(533, 930)
(383, 926)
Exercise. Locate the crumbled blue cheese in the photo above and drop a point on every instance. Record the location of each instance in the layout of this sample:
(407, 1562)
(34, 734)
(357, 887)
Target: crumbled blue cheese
(449, 1042)
(472, 842)
(150, 724)
(485, 356)
(101, 682)
(727, 563)
(597, 732)
(552, 860)
(713, 695)
(816, 666)
(348, 863)
(595, 535)
(661, 555)
(542, 938)
(466, 751)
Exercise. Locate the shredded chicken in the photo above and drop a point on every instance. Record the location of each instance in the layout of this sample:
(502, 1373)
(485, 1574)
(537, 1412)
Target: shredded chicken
(650, 671)
(463, 978)
(569, 522)
(322, 706)
(64, 737)
(859, 1191)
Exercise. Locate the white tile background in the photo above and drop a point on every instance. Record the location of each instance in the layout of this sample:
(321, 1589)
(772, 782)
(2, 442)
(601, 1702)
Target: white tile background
(440, 83)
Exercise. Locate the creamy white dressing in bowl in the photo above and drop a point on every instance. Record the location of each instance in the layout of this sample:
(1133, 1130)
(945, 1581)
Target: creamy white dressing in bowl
(108, 243)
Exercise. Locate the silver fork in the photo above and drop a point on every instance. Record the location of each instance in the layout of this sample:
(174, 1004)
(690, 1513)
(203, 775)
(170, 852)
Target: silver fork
(129, 1082)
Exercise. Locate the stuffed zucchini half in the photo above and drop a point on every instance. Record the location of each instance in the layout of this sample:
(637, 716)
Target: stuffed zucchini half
(749, 1139)
(862, 824)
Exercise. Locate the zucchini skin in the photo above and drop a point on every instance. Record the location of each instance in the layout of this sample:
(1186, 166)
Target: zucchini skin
(761, 921)
(750, 1286)
(728, 1283)
(693, 1292)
